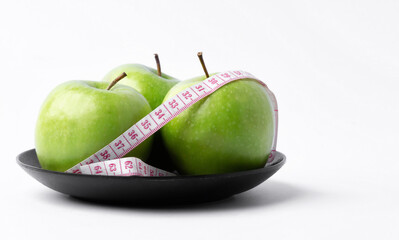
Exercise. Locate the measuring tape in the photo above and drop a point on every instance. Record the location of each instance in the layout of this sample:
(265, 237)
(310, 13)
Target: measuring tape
(109, 161)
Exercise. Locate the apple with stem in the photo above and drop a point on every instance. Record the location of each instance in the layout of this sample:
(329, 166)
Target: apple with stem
(230, 130)
(152, 84)
(78, 118)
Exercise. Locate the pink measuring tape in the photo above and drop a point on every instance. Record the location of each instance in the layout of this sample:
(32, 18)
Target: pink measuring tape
(109, 161)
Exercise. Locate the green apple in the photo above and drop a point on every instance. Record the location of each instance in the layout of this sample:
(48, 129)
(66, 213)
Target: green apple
(78, 118)
(145, 80)
(154, 85)
(230, 130)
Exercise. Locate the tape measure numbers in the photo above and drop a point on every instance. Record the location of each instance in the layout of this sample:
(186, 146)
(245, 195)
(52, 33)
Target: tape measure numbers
(108, 160)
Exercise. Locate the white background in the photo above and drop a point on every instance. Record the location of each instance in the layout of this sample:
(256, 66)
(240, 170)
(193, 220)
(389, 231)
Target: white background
(333, 65)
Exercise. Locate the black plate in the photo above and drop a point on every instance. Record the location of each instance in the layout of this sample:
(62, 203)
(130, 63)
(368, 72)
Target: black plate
(148, 190)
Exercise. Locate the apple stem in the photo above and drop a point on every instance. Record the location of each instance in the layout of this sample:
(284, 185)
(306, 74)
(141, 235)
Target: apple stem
(116, 80)
(203, 64)
(158, 64)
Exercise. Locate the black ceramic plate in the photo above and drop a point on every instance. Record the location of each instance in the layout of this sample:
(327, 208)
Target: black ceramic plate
(148, 190)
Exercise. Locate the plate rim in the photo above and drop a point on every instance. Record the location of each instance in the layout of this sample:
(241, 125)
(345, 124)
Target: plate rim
(277, 165)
